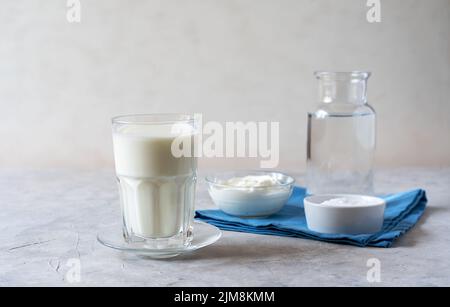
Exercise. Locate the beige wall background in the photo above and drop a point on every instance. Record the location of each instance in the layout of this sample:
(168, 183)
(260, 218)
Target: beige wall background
(60, 83)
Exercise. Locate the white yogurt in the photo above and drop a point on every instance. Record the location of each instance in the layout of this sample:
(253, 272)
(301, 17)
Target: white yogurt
(350, 201)
(250, 196)
(251, 181)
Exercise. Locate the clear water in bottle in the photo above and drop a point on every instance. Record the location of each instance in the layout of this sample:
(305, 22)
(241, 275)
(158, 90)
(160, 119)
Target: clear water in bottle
(341, 136)
(340, 153)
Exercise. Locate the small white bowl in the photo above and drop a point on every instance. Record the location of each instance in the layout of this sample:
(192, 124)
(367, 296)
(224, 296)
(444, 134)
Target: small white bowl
(250, 202)
(363, 218)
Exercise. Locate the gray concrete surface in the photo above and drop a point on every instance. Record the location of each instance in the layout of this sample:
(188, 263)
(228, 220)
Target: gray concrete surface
(48, 218)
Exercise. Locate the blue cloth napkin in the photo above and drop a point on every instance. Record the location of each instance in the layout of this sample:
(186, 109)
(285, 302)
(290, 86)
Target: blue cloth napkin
(402, 212)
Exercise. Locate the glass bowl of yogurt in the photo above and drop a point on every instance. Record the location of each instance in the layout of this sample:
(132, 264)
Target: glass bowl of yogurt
(250, 193)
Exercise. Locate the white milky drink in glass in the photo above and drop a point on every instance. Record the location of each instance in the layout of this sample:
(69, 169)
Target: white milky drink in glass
(156, 186)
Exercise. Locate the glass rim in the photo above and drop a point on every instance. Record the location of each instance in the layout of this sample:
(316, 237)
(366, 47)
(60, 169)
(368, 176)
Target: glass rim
(152, 118)
(353, 74)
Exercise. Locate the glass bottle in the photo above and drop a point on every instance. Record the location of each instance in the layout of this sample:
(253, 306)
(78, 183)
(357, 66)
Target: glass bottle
(341, 136)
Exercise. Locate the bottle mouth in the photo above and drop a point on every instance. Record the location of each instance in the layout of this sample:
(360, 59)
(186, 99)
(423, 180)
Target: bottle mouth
(342, 86)
(342, 75)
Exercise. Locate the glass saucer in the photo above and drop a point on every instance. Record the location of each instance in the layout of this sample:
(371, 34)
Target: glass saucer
(203, 235)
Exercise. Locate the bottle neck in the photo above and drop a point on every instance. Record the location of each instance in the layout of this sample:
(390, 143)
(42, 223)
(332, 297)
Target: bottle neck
(343, 87)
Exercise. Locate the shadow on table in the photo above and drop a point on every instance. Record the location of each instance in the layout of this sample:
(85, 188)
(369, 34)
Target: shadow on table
(418, 233)
(245, 250)
(234, 251)
(262, 250)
